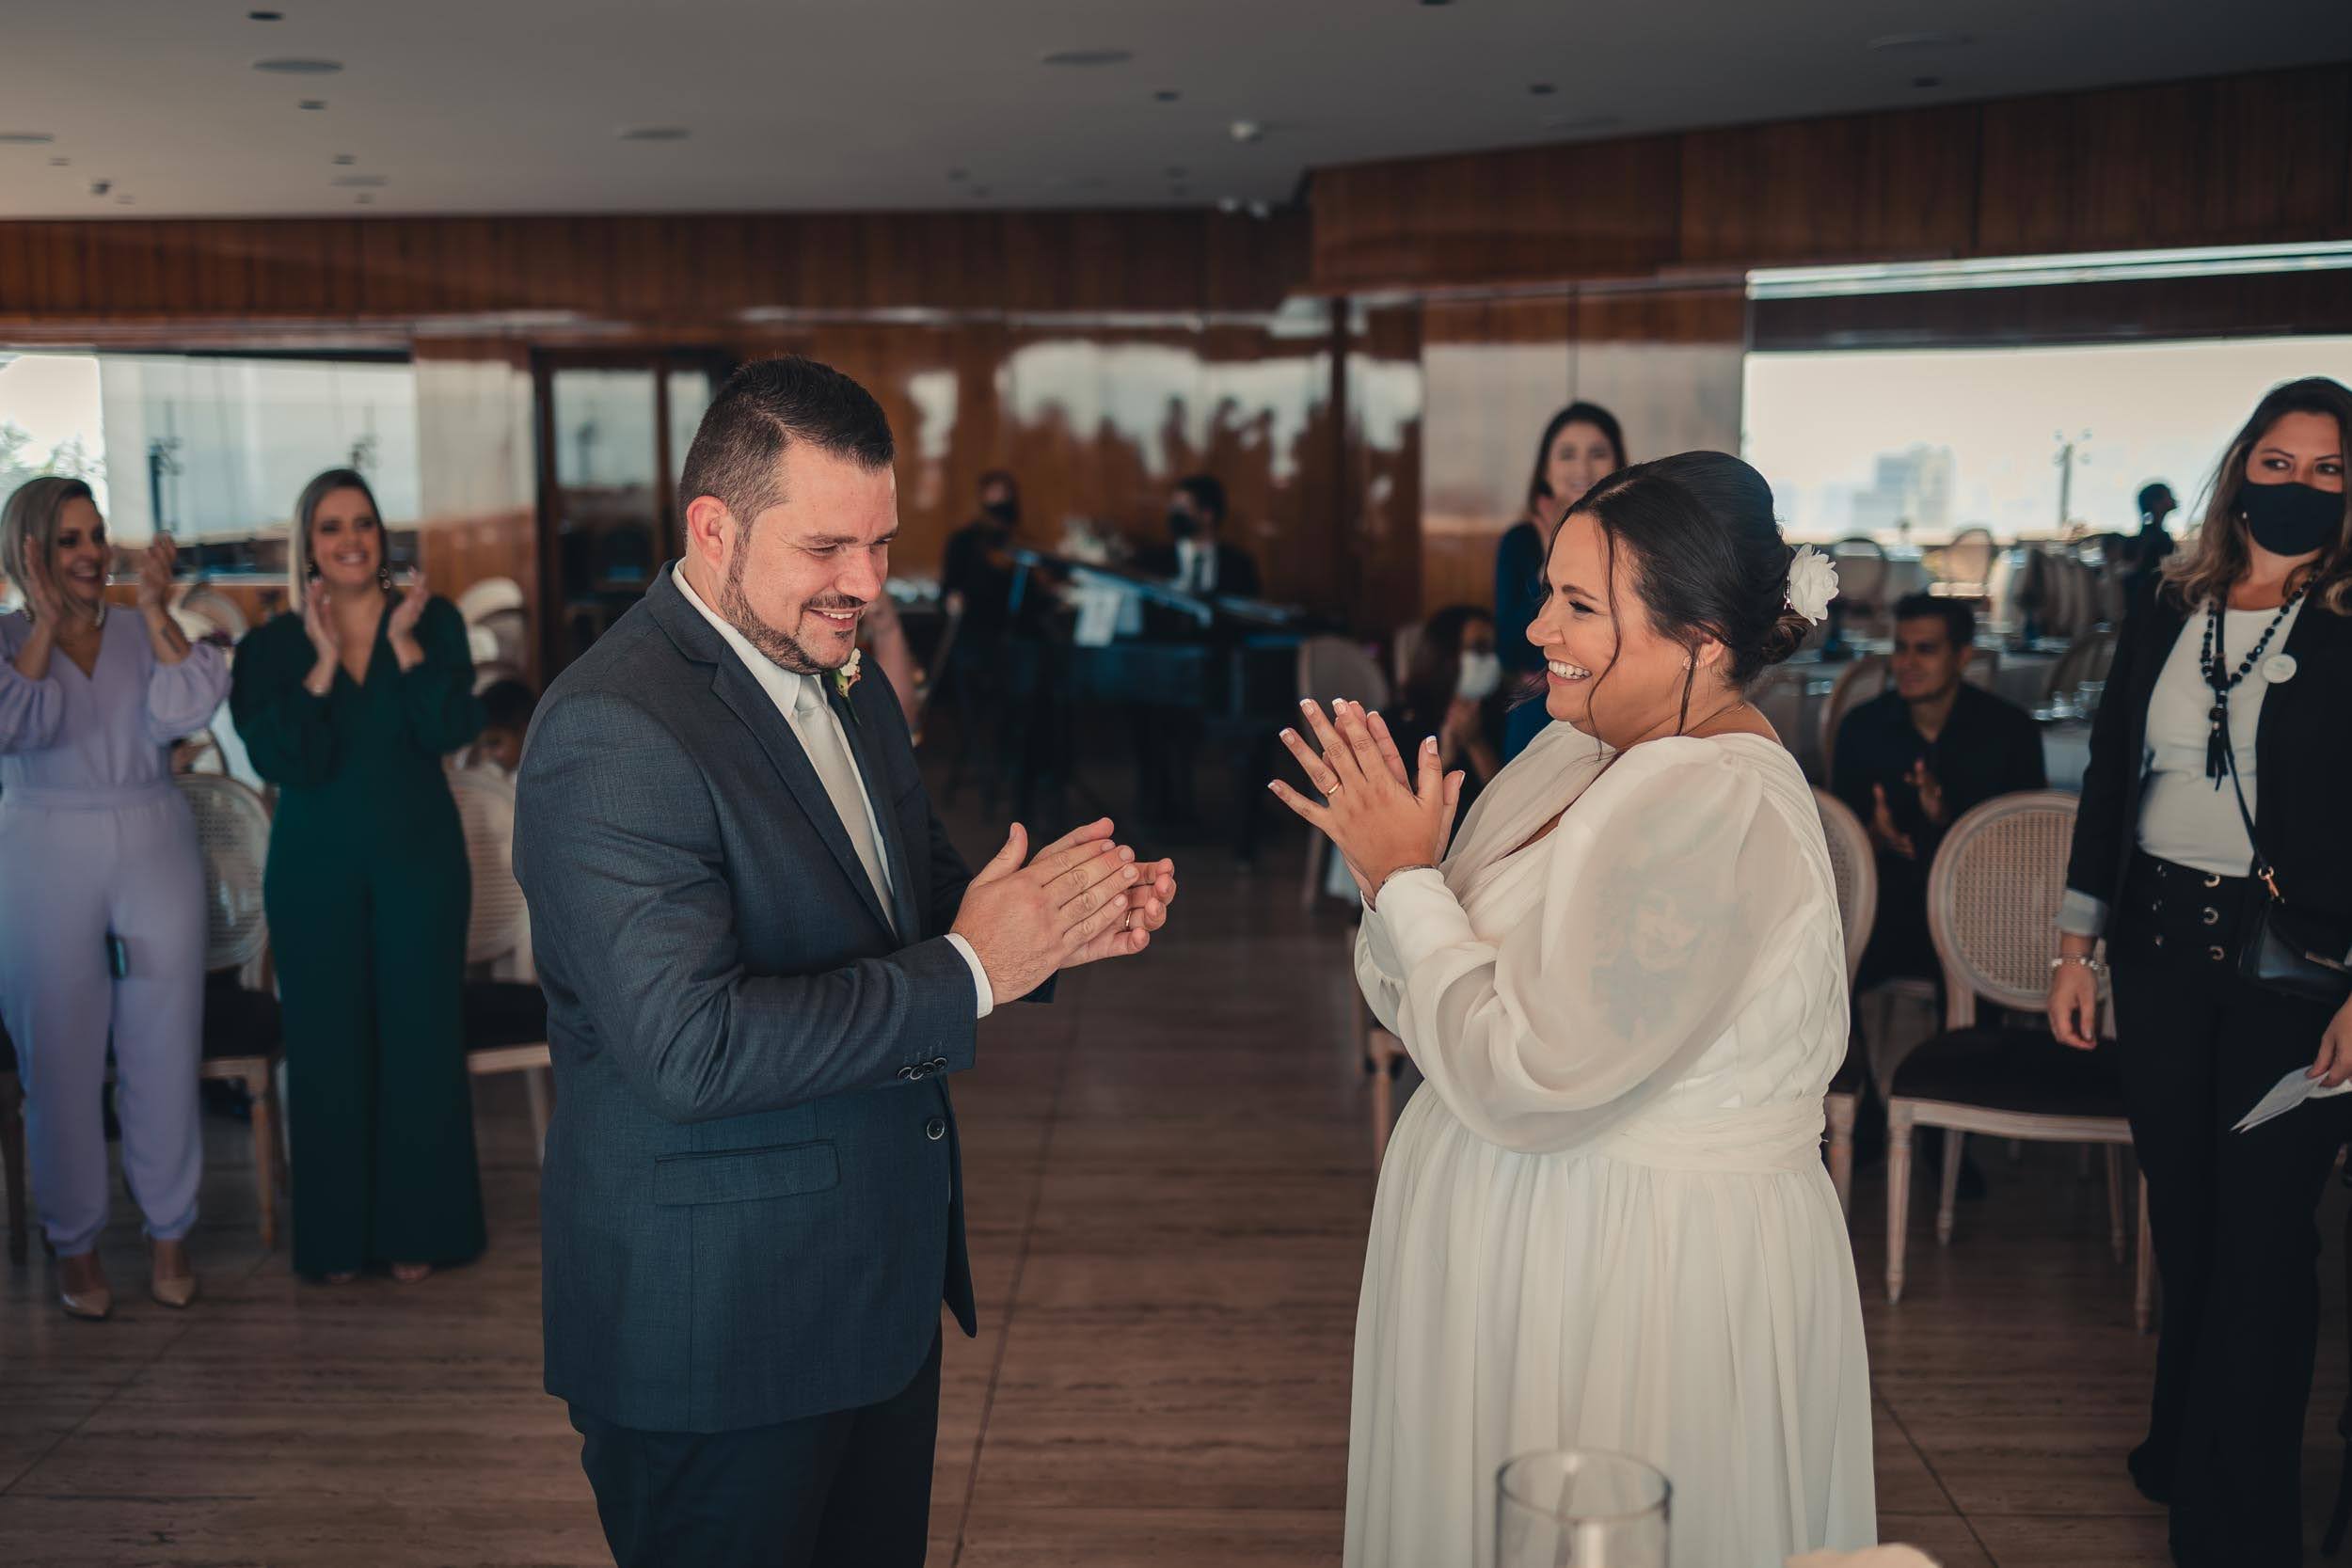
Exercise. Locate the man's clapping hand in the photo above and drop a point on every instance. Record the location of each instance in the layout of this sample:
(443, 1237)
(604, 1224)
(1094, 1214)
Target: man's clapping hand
(1081, 899)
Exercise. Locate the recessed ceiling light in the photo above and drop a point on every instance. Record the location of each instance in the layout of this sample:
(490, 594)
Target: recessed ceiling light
(345, 159)
(1088, 56)
(100, 187)
(26, 139)
(1926, 81)
(1887, 41)
(354, 180)
(1246, 130)
(298, 65)
(265, 16)
(653, 132)
(311, 104)
(1168, 95)
(1435, 3)
(1541, 90)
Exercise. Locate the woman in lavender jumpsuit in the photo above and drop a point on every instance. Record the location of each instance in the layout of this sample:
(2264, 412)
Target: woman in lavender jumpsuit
(97, 858)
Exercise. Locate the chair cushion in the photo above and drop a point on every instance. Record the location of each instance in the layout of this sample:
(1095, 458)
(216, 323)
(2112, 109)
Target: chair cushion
(505, 1012)
(237, 1021)
(2013, 1069)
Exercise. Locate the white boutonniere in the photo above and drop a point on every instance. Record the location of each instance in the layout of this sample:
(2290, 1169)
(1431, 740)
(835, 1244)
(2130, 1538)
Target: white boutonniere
(1812, 583)
(848, 674)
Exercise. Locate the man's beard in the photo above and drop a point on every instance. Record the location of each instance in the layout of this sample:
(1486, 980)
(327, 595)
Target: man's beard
(781, 648)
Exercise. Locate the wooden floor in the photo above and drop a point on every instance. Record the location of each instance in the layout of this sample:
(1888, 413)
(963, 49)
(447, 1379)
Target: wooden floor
(1170, 1177)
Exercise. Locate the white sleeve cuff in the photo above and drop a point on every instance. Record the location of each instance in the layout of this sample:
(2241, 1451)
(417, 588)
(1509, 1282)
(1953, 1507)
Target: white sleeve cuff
(979, 976)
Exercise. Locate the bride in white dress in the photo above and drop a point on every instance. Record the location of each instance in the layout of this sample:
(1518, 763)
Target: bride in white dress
(1603, 1222)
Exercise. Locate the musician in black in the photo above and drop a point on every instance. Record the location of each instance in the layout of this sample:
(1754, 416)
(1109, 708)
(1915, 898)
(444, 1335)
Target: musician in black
(2233, 672)
(1197, 560)
(1197, 557)
(978, 571)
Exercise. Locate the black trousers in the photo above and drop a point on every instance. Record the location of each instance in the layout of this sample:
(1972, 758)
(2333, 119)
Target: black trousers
(2234, 1215)
(849, 1489)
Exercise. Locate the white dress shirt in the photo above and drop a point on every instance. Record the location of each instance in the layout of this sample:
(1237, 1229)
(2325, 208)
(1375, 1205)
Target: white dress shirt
(1196, 565)
(801, 699)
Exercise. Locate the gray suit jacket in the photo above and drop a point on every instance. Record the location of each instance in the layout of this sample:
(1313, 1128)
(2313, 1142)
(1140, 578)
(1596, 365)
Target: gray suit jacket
(751, 1205)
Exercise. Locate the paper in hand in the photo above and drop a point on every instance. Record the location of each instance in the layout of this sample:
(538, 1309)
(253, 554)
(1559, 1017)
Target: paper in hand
(2289, 1092)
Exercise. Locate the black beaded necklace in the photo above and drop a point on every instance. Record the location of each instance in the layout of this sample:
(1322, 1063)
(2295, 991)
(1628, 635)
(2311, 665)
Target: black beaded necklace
(2211, 659)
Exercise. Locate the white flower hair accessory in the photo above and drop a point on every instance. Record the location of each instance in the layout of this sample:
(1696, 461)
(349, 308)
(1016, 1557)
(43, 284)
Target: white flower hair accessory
(1812, 583)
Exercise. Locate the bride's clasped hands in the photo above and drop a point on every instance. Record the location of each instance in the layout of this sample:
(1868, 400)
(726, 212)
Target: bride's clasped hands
(1383, 817)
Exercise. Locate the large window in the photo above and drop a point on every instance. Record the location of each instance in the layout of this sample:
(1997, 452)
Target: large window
(210, 447)
(2028, 442)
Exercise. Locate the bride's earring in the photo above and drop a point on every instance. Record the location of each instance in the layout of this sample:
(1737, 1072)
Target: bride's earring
(384, 576)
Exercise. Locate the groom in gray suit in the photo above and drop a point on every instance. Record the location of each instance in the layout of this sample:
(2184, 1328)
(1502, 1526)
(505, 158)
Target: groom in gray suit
(763, 960)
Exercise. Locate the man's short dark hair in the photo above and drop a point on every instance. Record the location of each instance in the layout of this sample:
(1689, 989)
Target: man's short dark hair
(998, 476)
(508, 705)
(1208, 496)
(1958, 618)
(765, 407)
(2148, 494)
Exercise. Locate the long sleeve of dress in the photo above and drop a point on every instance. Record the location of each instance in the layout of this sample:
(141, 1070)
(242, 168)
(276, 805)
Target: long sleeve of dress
(182, 698)
(437, 697)
(1671, 896)
(287, 734)
(31, 711)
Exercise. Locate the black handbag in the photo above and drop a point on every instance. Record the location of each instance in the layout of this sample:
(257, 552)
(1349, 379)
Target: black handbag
(2279, 949)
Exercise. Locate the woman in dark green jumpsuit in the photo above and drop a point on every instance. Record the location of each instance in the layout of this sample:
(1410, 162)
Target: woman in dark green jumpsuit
(348, 705)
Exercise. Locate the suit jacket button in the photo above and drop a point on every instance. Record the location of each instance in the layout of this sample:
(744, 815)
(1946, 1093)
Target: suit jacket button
(909, 1075)
(936, 1128)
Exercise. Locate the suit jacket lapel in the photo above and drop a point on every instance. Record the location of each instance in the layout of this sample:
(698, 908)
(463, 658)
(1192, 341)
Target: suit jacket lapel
(739, 691)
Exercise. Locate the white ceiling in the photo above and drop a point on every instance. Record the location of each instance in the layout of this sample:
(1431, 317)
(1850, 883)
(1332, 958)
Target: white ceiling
(513, 106)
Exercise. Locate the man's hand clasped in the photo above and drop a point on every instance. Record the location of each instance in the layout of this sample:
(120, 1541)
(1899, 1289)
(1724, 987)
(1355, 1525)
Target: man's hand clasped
(1083, 898)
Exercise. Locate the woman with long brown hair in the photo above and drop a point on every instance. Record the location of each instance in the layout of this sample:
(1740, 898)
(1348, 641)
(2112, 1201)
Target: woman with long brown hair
(348, 702)
(1582, 444)
(2222, 750)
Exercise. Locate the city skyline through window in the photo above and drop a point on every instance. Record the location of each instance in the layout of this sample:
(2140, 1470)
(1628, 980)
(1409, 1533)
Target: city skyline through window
(1920, 443)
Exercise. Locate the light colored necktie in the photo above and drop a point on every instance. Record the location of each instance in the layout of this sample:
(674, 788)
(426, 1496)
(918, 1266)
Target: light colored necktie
(820, 736)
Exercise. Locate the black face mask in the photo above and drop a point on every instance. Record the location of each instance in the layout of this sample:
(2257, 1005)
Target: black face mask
(2291, 519)
(1183, 524)
(1006, 514)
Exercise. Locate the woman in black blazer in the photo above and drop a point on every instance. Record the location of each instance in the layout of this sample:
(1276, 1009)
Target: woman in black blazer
(2252, 623)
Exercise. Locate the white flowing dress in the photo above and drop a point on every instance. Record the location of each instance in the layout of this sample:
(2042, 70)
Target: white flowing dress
(1603, 1220)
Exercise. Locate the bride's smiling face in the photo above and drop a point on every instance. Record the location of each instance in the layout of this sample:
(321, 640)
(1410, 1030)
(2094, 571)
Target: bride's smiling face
(1608, 670)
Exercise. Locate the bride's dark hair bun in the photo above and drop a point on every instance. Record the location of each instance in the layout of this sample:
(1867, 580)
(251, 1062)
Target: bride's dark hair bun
(1787, 635)
(1709, 560)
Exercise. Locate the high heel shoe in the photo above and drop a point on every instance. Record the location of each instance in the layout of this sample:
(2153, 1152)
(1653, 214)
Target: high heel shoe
(93, 1304)
(174, 1291)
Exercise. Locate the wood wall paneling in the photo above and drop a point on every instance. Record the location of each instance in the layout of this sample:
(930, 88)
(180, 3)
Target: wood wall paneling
(2254, 158)
(647, 268)
(1604, 208)
(2227, 160)
(1884, 185)
(1382, 462)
